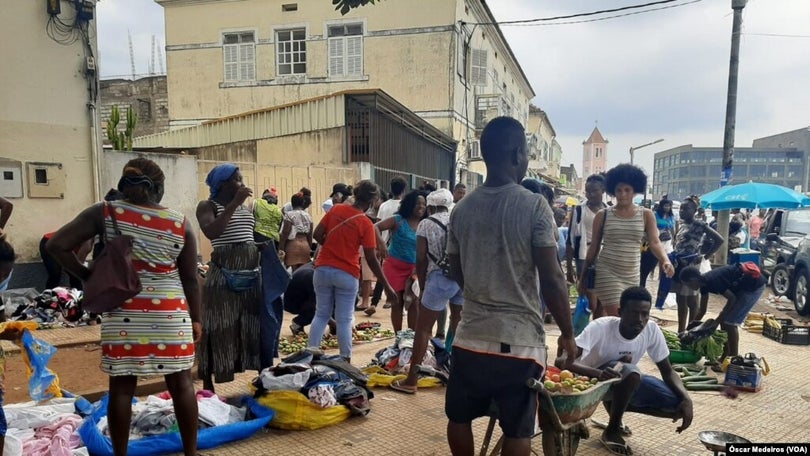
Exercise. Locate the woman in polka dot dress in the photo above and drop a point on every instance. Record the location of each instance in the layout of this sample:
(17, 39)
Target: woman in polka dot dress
(154, 332)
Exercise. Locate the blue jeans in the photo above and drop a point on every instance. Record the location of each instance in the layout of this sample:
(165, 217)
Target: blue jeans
(335, 291)
(745, 302)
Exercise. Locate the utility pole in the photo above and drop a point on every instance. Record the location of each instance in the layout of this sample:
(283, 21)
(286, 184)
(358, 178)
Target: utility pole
(731, 121)
(131, 55)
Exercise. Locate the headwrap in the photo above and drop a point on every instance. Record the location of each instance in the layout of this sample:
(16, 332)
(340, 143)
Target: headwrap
(440, 197)
(218, 175)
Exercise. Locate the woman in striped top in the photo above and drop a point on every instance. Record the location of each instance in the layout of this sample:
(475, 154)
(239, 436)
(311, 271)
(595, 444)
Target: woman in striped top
(153, 333)
(616, 240)
(230, 318)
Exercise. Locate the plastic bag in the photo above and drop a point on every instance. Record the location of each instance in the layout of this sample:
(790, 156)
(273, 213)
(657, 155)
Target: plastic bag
(582, 314)
(43, 384)
(294, 381)
(705, 266)
(100, 445)
(294, 411)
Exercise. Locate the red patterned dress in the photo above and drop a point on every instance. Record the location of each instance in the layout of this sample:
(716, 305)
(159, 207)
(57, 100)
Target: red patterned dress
(151, 333)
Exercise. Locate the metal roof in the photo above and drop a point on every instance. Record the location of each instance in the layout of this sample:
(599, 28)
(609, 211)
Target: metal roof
(318, 113)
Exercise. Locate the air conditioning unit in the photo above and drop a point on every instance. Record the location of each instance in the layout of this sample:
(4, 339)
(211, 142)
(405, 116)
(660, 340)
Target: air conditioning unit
(474, 150)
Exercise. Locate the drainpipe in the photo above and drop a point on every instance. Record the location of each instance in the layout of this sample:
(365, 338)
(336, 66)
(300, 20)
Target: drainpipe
(94, 150)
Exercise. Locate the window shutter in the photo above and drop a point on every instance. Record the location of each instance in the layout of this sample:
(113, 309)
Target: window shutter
(354, 55)
(229, 56)
(336, 54)
(478, 67)
(247, 62)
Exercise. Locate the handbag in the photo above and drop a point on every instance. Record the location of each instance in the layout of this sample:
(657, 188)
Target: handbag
(240, 280)
(112, 279)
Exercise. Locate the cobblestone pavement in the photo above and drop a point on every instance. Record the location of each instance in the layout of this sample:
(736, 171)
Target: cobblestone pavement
(402, 424)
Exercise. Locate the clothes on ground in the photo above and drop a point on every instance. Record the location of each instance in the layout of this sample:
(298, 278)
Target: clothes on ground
(601, 342)
(347, 229)
(619, 262)
(57, 305)
(268, 219)
(493, 230)
(150, 333)
(43, 429)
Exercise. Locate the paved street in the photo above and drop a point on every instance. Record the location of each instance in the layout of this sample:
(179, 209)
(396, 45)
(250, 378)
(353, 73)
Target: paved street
(402, 424)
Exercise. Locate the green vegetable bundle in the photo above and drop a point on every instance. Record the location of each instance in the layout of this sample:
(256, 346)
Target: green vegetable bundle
(710, 347)
(673, 342)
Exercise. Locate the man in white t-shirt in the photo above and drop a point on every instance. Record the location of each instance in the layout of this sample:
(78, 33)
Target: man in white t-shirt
(387, 210)
(611, 347)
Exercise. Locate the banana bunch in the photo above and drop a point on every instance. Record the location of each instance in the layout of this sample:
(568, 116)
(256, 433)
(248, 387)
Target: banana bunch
(772, 322)
(755, 322)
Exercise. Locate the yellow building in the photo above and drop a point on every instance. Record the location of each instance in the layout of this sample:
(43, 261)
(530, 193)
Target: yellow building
(445, 60)
(544, 150)
(47, 122)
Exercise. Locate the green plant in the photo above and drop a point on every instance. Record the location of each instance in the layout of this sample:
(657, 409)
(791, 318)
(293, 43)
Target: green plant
(121, 140)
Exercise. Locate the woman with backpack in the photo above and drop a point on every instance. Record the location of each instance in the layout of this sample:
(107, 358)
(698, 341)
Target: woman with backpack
(437, 288)
(580, 228)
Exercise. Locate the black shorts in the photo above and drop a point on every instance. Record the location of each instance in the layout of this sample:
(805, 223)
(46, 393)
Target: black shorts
(478, 379)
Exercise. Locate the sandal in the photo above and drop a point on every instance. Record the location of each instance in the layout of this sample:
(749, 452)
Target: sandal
(397, 386)
(370, 311)
(625, 430)
(359, 308)
(616, 447)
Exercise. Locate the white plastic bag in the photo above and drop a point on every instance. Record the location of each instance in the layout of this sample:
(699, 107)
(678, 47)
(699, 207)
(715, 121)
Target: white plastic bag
(705, 266)
(293, 382)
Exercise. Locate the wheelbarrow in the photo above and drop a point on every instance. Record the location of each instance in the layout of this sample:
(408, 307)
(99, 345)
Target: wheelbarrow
(563, 414)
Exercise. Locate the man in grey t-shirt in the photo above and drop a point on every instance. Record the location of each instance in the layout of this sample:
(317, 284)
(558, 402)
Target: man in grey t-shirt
(499, 236)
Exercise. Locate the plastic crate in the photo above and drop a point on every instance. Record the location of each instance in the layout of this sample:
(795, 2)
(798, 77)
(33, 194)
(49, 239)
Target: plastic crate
(744, 378)
(789, 334)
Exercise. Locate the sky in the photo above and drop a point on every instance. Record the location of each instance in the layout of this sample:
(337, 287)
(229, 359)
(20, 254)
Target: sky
(662, 74)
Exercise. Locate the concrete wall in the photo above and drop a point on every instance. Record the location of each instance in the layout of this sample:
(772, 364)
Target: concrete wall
(316, 163)
(43, 119)
(148, 97)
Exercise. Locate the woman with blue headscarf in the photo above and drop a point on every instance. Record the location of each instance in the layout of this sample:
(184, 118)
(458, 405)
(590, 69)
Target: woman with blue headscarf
(232, 291)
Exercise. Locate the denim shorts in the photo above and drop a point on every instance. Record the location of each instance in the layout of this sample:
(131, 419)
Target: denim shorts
(652, 393)
(439, 289)
(745, 302)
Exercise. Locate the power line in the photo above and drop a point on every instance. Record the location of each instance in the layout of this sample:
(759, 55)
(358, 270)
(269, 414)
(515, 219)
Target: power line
(571, 16)
(606, 17)
(777, 35)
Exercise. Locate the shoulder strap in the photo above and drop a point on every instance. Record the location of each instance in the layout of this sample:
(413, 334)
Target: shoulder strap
(344, 222)
(436, 221)
(578, 210)
(114, 221)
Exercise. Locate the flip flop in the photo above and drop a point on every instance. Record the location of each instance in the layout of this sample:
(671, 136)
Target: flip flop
(625, 429)
(370, 311)
(359, 308)
(397, 386)
(616, 447)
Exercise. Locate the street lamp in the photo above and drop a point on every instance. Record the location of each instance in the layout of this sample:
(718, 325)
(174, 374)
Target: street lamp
(633, 149)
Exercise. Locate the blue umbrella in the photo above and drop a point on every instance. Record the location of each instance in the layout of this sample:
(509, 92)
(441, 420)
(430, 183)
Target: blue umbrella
(753, 195)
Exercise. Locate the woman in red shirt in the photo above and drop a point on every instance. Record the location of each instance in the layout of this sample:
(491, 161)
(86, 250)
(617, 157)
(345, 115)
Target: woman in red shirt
(341, 233)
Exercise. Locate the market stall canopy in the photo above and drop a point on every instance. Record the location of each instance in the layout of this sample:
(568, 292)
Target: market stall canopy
(753, 195)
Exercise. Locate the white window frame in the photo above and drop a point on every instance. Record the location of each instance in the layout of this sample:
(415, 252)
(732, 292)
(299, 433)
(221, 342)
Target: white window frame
(292, 52)
(245, 55)
(478, 67)
(337, 50)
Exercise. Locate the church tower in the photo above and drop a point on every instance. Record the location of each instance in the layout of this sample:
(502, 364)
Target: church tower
(594, 156)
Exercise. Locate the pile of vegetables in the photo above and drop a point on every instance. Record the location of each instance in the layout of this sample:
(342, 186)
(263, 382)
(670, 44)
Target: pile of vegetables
(293, 344)
(698, 381)
(710, 347)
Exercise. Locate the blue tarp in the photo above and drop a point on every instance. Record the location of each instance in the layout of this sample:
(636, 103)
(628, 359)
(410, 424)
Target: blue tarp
(100, 445)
